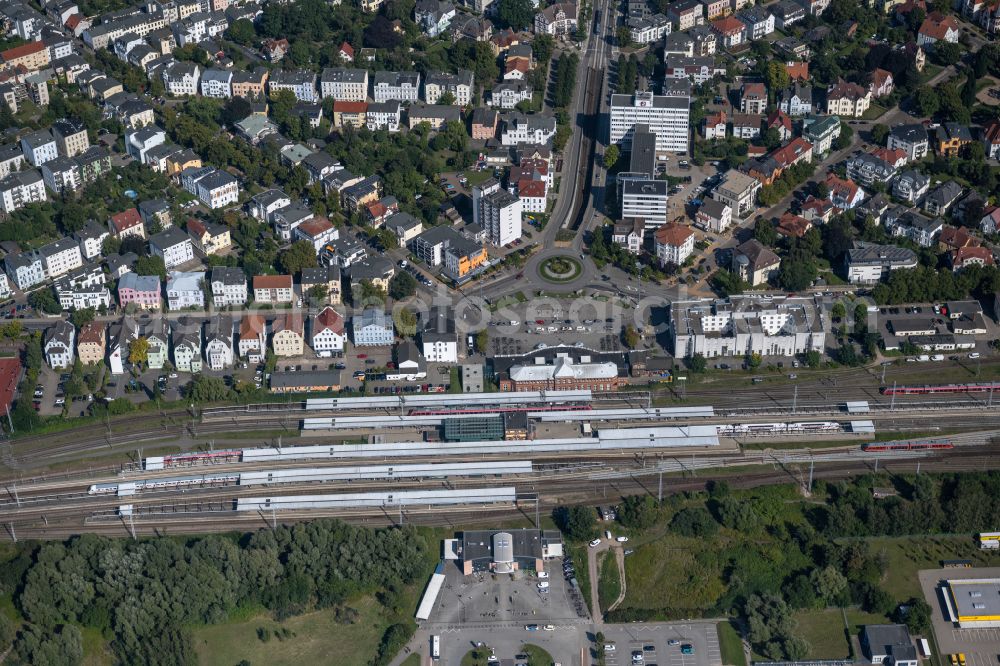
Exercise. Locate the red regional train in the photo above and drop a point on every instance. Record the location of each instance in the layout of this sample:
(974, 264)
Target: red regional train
(923, 445)
(927, 389)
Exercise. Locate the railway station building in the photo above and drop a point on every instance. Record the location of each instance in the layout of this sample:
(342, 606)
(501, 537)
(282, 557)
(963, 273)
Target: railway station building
(504, 551)
(973, 603)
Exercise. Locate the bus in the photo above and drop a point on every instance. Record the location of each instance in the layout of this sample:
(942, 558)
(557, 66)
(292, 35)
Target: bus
(435, 648)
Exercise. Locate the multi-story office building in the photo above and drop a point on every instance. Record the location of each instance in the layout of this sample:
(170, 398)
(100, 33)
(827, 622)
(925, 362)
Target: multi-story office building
(666, 116)
(646, 200)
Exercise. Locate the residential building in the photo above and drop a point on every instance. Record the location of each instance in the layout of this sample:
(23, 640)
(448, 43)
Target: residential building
(404, 226)
(70, 136)
(497, 212)
(534, 129)
(60, 257)
(741, 325)
(396, 86)
(157, 334)
(939, 200)
(58, 345)
(372, 328)
(881, 83)
(746, 126)
(557, 19)
(843, 193)
(847, 99)
(739, 192)
(229, 286)
(714, 216)
(787, 13)
(273, 289)
(629, 233)
(185, 290)
(686, 14)
(21, 188)
(186, 339)
(668, 117)
(797, 100)
(327, 331)
(173, 245)
(438, 340)
(288, 335)
(910, 224)
(991, 139)
(910, 186)
(867, 169)
(384, 115)
(674, 243)
(345, 85)
(127, 223)
(263, 206)
(213, 187)
(208, 238)
(302, 83)
(433, 16)
(732, 31)
(715, 126)
(938, 27)
(507, 95)
(25, 269)
(91, 342)
(648, 29)
(219, 342)
(253, 335)
(61, 175)
(434, 115)
(326, 277)
(217, 83)
(460, 86)
(754, 263)
(349, 114)
(181, 78)
(753, 98)
(140, 141)
(868, 264)
(376, 270)
(951, 138)
(911, 139)
(39, 147)
(821, 132)
(91, 239)
(758, 20)
(143, 290)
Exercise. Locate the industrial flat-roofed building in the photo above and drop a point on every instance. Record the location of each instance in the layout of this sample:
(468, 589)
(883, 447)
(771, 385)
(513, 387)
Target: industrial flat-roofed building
(973, 602)
(768, 325)
(507, 551)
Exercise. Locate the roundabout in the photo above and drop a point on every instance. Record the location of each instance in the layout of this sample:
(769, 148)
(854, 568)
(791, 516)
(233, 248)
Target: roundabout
(560, 269)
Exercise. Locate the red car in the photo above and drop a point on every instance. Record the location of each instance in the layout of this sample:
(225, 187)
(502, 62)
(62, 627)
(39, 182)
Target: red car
(390, 364)
(362, 355)
(540, 322)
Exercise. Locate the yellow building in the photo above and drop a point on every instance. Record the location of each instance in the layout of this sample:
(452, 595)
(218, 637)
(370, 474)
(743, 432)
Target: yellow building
(90, 343)
(289, 336)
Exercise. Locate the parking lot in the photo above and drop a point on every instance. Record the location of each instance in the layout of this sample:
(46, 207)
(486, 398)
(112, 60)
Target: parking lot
(504, 611)
(980, 646)
(689, 644)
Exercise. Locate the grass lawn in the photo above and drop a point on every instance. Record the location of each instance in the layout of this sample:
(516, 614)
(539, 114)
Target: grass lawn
(824, 631)
(610, 585)
(907, 555)
(412, 660)
(873, 112)
(95, 648)
(731, 645)
(475, 657)
(317, 637)
(536, 655)
(477, 177)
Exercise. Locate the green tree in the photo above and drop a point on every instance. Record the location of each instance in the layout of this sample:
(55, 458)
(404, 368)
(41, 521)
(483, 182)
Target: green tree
(829, 583)
(611, 156)
(764, 232)
(753, 361)
(697, 363)
(777, 77)
(916, 615)
(152, 265)
(299, 255)
(403, 285)
(576, 522)
(482, 341)
(638, 512)
(406, 322)
(694, 522)
(516, 14)
(242, 32)
(845, 137)
(62, 646)
(44, 301)
(946, 53)
(880, 133)
(207, 389)
(12, 329)
(138, 351)
(631, 337)
(927, 101)
(837, 311)
(813, 358)
(82, 317)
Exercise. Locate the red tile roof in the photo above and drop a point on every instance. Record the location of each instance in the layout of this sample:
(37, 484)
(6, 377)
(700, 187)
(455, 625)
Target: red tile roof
(728, 26)
(329, 319)
(965, 255)
(936, 26)
(272, 281)
(793, 225)
(22, 50)
(342, 106)
(314, 227)
(531, 188)
(957, 237)
(991, 132)
(126, 220)
(252, 326)
(196, 227)
(672, 234)
(348, 49)
(798, 71)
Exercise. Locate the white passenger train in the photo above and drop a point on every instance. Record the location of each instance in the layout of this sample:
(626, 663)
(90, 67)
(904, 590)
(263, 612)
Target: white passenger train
(752, 429)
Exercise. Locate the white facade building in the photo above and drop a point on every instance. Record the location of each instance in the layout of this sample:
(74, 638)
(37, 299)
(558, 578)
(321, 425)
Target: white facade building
(668, 117)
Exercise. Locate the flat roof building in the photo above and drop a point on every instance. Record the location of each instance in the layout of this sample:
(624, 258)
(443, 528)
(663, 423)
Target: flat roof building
(506, 551)
(973, 602)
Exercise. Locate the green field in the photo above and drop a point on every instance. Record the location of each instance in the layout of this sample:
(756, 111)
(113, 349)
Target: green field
(610, 585)
(536, 655)
(317, 637)
(731, 645)
(824, 631)
(412, 660)
(579, 556)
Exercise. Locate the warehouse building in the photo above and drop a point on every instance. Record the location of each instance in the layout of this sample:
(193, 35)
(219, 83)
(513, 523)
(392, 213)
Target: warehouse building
(505, 551)
(973, 603)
